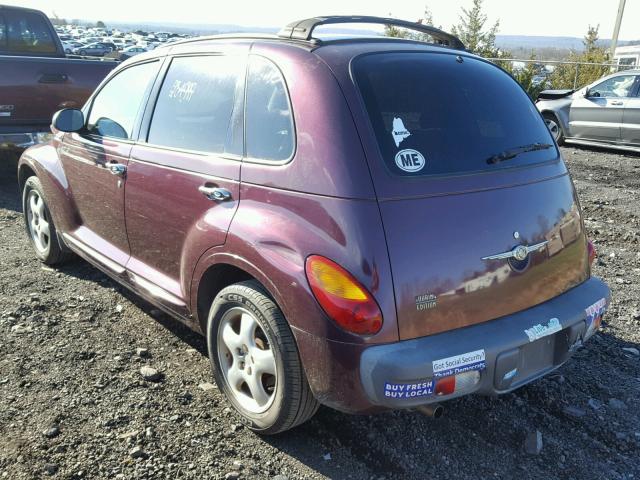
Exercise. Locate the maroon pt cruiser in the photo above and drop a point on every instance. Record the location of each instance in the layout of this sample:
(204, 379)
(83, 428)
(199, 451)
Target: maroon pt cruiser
(364, 223)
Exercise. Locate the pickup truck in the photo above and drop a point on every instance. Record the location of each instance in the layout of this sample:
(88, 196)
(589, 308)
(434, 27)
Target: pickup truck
(37, 76)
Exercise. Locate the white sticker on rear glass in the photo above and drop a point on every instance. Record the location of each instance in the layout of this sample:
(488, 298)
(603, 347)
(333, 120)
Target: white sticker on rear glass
(399, 131)
(410, 160)
(459, 364)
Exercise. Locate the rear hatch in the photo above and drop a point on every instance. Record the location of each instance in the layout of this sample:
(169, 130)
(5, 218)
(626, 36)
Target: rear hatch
(466, 172)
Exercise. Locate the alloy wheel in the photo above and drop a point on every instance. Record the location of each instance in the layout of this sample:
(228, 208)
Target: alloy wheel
(38, 221)
(553, 127)
(247, 360)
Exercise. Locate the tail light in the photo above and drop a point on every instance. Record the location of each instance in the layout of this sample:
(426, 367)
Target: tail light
(591, 249)
(457, 383)
(342, 297)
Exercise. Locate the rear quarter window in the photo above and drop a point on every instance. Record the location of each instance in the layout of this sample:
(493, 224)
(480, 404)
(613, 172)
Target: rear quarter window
(28, 33)
(440, 114)
(269, 122)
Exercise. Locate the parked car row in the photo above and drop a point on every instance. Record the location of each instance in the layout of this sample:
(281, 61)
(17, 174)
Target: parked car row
(81, 40)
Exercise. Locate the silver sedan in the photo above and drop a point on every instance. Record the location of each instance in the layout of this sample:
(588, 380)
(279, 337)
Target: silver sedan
(607, 112)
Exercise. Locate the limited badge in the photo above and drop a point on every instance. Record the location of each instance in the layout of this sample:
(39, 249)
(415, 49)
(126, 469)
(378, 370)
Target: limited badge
(410, 160)
(426, 301)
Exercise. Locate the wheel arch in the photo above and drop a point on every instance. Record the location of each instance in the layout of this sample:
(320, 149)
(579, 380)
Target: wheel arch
(216, 273)
(42, 161)
(560, 119)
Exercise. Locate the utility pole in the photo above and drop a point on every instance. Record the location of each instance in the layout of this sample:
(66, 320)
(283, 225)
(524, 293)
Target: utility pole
(616, 30)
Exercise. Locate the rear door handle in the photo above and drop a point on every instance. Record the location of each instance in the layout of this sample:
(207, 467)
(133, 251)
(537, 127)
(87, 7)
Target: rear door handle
(53, 78)
(215, 193)
(616, 102)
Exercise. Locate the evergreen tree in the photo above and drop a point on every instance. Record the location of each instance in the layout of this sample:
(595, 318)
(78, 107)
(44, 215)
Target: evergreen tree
(471, 30)
(399, 32)
(564, 76)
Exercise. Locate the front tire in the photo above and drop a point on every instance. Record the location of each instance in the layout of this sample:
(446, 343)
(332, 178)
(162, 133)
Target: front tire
(552, 123)
(39, 224)
(255, 360)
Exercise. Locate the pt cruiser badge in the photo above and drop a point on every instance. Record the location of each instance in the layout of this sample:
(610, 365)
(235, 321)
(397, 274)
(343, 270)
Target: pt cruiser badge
(520, 252)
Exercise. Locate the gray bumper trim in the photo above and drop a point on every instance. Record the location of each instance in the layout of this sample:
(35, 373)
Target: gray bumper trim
(504, 341)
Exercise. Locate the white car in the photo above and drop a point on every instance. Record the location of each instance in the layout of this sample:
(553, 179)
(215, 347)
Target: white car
(134, 50)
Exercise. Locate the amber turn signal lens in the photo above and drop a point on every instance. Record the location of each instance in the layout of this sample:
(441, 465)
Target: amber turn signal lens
(342, 297)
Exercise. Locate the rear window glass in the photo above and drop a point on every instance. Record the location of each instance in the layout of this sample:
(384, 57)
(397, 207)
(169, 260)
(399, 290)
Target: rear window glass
(435, 115)
(28, 33)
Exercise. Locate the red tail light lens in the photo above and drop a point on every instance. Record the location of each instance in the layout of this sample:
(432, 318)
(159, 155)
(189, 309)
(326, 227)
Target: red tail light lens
(342, 297)
(446, 385)
(591, 249)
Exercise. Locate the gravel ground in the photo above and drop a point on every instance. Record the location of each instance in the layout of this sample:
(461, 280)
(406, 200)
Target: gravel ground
(74, 405)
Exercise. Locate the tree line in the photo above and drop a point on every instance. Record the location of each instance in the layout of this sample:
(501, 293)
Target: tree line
(479, 37)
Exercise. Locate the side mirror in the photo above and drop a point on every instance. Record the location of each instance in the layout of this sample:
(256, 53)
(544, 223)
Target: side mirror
(68, 120)
(586, 92)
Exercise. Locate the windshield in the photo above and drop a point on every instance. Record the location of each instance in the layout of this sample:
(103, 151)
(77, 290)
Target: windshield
(442, 114)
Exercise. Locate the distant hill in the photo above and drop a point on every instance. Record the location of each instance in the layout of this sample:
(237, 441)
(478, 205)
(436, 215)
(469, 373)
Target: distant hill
(516, 43)
(512, 42)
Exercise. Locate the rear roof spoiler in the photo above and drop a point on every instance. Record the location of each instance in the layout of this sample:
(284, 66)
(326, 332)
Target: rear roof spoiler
(303, 29)
(554, 94)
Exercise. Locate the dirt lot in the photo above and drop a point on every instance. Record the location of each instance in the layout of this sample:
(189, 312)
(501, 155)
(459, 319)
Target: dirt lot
(73, 404)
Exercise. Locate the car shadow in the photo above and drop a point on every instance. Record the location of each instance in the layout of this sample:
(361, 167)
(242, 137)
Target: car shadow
(407, 444)
(9, 189)
(602, 149)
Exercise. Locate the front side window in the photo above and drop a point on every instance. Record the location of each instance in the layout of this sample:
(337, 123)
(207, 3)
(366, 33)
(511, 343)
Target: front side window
(116, 106)
(441, 114)
(28, 33)
(269, 123)
(615, 87)
(195, 104)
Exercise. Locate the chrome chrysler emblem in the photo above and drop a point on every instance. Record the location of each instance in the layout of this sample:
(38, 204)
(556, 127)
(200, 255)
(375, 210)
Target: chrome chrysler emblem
(519, 253)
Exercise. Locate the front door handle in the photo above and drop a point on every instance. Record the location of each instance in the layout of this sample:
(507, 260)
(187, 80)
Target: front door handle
(117, 169)
(215, 193)
(616, 102)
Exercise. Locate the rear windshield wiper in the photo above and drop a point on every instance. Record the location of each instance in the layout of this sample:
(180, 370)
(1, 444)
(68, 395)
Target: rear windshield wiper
(514, 152)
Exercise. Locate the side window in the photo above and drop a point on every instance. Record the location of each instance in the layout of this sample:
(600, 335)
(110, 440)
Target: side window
(268, 118)
(115, 107)
(28, 33)
(196, 103)
(620, 86)
(3, 34)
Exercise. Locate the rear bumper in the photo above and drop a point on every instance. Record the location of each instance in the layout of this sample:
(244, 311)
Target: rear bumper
(516, 349)
(503, 354)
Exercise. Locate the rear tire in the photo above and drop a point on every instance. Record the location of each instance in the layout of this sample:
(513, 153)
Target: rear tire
(255, 360)
(39, 224)
(552, 123)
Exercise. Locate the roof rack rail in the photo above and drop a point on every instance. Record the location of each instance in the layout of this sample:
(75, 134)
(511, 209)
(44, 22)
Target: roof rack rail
(303, 29)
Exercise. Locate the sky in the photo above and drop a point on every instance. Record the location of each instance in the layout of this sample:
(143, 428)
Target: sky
(517, 17)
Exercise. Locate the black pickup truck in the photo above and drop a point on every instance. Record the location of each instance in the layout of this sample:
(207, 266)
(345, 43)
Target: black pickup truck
(37, 78)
